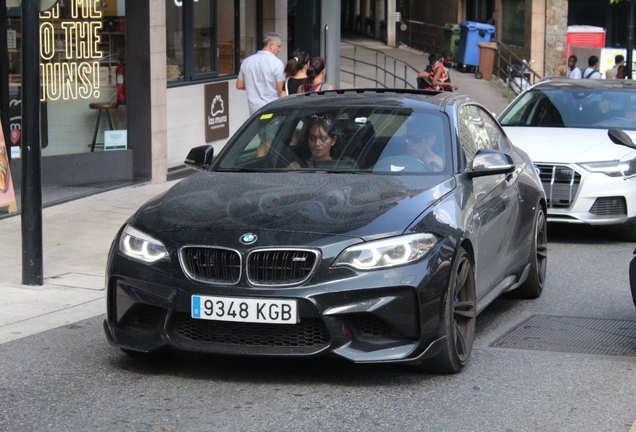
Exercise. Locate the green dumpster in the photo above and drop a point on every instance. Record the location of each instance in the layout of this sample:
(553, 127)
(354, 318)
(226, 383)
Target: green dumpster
(450, 41)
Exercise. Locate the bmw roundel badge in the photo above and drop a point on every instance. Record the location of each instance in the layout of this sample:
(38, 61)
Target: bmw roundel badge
(249, 238)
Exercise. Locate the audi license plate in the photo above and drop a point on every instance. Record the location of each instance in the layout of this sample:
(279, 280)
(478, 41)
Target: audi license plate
(244, 310)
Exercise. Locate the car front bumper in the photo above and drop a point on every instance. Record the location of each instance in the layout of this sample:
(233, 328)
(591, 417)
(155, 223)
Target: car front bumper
(587, 198)
(390, 315)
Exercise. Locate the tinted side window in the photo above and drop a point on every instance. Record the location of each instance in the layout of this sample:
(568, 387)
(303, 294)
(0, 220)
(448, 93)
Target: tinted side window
(492, 129)
(473, 134)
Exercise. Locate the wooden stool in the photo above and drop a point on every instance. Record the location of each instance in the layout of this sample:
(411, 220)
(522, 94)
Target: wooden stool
(101, 106)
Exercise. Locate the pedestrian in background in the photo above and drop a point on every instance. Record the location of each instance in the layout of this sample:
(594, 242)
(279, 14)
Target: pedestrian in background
(592, 69)
(573, 71)
(447, 61)
(315, 80)
(619, 60)
(424, 77)
(262, 74)
(296, 72)
(621, 72)
(439, 76)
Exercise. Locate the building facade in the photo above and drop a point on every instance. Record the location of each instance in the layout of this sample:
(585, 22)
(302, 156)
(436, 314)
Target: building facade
(160, 73)
(532, 29)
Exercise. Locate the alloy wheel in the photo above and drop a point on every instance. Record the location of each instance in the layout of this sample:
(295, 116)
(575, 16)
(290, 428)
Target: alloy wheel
(541, 248)
(464, 310)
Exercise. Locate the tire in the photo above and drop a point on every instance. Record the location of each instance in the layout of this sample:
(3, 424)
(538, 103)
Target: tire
(632, 278)
(458, 318)
(533, 286)
(479, 75)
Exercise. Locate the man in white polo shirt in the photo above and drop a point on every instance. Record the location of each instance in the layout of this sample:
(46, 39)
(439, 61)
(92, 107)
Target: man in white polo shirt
(262, 74)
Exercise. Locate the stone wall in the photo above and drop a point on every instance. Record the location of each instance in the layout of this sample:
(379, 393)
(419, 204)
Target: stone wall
(556, 26)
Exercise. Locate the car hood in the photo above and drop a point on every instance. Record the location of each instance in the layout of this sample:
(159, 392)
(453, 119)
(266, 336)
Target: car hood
(566, 145)
(358, 205)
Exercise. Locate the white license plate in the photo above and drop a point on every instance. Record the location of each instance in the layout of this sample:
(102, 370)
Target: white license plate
(244, 310)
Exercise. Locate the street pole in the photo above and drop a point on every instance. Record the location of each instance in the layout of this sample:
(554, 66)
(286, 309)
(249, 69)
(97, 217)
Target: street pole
(31, 189)
(630, 40)
(4, 79)
(391, 25)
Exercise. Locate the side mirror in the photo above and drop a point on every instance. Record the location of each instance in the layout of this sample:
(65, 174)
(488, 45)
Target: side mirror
(621, 138)
(490, 162)
(200, 158)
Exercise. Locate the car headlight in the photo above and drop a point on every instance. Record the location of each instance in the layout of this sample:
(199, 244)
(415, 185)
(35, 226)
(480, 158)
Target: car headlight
(627, 167)
(140, 246)
(391, 252)
(610, 168)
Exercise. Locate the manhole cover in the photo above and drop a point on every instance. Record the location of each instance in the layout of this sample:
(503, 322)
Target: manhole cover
(572, 335)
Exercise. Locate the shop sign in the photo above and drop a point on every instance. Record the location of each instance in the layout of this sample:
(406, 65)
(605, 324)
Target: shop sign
(217, 112)
(77, 42)
(115, 140)
(7, 194)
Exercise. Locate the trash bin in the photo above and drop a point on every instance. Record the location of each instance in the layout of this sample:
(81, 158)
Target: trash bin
(472, 33)
(451, 38)
(486, 59)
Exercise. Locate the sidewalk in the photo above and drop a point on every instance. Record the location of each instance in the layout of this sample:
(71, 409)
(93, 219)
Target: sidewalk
(76, 239)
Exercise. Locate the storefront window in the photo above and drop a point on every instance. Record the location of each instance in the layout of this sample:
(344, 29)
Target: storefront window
(226, 37)
(203, 58)
(174, 41)
(82, 56)
(249, 28)
(200, 39)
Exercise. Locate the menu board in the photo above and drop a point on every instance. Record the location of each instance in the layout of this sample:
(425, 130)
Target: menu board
(7, 194)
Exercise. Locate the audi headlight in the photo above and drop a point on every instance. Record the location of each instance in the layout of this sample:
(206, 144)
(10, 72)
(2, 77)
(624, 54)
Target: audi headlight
(627, 167)
(610, 168)
(140, 246)
(386, 253)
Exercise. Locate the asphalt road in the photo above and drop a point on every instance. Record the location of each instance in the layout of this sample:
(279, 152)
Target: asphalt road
(70, 379)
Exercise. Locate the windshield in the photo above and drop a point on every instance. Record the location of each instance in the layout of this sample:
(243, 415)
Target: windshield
(336, 139)
(574, 108)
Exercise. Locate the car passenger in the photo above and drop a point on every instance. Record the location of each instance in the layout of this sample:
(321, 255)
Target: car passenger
(420, 139)
(630, 114)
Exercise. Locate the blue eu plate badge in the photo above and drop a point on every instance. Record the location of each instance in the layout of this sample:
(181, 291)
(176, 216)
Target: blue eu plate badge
(196, 307)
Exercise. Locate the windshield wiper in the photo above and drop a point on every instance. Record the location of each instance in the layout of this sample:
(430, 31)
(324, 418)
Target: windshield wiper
(244, 170)
(350, 171)
(329, 171)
